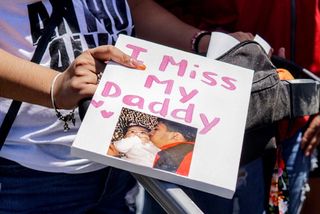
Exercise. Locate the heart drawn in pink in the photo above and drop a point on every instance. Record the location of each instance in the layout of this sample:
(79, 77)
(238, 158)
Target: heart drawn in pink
(106, 114)
(97, 104)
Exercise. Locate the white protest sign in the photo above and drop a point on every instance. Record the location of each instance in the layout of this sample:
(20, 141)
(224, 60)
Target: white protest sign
(206, 94)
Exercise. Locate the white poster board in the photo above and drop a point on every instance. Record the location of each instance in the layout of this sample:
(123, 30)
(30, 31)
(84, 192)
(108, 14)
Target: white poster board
(208, 95)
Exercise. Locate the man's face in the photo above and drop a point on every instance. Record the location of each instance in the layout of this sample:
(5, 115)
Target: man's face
(160, 135)
(139, 131)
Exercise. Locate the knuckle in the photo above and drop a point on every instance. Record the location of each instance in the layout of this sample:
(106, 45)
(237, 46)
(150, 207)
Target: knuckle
(74, 84)
(125, 59)
(80, 72)
(86, 54)
(80, 61)
(109, 49)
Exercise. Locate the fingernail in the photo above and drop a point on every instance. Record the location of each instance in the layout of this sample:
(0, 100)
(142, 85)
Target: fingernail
(137, 64)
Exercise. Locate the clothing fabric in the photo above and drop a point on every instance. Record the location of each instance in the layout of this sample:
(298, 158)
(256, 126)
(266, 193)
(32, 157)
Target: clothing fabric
(102, 191)
(136, 151)
(293, 166)
(37, 139)
(175, 157)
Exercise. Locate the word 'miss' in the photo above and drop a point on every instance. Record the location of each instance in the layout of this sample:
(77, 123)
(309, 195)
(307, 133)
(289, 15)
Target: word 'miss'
(113, 90)
(207, 77)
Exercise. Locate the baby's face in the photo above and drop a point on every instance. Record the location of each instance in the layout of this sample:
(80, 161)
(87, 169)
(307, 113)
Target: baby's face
(141, 132)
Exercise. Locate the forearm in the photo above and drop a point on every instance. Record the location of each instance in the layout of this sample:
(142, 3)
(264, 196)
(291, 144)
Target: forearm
(154, 23)
(25, 81)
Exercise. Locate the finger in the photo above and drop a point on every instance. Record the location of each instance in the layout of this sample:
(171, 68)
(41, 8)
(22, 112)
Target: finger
(86, 71)
(84, 63)
(108, 52)
(91, 79)
(282, 52)
(312, 145)
(93, 64)
(247, 36)
(270, 52)
(307, 136)
(311, 132)
(309, 149)
(250, 35)
(243, 36)
(88, 90)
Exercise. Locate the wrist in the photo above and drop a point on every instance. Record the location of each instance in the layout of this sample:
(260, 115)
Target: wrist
(204, 44)
(53, 91)
(200, 42)
(63, 118)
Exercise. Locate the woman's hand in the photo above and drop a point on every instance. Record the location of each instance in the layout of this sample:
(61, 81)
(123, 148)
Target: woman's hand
(311, 136)
(81, 78)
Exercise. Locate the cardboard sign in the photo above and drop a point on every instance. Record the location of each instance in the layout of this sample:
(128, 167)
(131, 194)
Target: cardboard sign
(128, 122)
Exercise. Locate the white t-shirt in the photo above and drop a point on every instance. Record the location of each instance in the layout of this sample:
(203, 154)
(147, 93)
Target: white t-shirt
(37, 139)
(137, 151)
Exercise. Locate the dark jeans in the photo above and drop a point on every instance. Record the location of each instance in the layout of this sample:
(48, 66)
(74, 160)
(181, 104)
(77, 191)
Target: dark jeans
(24, 190)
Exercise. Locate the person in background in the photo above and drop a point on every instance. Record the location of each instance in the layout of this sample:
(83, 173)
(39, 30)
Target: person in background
(283, 25)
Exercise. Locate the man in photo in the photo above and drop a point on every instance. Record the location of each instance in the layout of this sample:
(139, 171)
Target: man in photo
(176, 142)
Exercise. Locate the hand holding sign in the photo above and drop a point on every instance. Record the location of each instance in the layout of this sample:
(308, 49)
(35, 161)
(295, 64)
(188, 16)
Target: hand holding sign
(80, 79)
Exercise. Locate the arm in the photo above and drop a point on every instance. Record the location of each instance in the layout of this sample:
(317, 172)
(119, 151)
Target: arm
(29, 82)
(24, 81)
(154, 23)
(311, 136)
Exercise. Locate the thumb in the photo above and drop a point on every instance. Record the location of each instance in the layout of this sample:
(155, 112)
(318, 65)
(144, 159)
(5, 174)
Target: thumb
(109, 52)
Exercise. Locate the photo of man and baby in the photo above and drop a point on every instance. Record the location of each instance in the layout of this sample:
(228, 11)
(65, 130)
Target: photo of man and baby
(154, 142)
